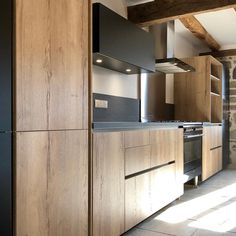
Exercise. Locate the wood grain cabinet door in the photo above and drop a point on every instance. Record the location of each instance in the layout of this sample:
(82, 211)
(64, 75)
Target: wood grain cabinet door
(206, 157)
(51, 64)
(108, 184)
(137, 200)
(163, 146)
(52, 183)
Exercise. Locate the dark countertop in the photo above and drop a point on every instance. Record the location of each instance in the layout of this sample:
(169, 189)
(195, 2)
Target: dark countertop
(211, 124)
(121, 126)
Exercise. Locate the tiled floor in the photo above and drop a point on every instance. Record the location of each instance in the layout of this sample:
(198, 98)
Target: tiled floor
(209, 210)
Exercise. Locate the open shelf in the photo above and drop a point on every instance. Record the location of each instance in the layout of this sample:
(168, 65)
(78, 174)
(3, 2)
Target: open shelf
(215, 78)
(215, 94)
(216, 91)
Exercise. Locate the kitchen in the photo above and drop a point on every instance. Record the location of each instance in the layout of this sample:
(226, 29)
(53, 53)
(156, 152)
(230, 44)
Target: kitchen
(114, 127)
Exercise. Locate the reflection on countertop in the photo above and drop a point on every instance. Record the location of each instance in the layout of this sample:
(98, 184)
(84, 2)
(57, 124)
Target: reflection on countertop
(119, 126)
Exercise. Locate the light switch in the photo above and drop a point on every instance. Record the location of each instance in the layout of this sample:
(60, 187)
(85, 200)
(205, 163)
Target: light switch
(101, 103)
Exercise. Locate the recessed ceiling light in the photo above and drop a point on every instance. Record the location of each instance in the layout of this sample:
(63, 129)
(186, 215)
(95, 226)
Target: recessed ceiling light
(99, 60)
(128, 70)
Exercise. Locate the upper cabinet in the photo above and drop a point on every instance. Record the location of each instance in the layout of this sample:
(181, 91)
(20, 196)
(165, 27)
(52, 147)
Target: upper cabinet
(198, 95)
(119, 44)
(51, 64)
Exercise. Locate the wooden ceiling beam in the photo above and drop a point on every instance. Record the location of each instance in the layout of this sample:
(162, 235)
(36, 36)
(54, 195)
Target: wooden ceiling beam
(222, 53)
(160, 11)
(193, 25)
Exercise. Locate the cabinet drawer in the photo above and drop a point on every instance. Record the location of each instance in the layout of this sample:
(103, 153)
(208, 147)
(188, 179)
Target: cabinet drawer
(136, 138)
(147, 193)
(163, 187)
(137, 200)
(216, 136)
(137, 159)
(163, 146)
(216, 160)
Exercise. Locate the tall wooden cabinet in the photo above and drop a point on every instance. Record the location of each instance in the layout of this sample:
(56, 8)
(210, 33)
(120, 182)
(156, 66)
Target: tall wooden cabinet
(51, 66)
(198, 95)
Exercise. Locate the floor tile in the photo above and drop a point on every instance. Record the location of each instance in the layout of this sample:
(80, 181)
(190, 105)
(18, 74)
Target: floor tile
(180, 229)
(142, 232)
(202, 232)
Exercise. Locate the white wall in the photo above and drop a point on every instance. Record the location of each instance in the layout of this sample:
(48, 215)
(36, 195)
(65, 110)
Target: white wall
(186, 44)
(110, 82)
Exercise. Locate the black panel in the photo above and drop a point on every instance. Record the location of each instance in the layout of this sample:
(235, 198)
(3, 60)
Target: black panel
(5, 184)
(119, 109)
(226, 110)
(6, 65)
(117, 38)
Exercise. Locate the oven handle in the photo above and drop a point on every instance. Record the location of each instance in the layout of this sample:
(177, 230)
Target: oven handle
(193, 136)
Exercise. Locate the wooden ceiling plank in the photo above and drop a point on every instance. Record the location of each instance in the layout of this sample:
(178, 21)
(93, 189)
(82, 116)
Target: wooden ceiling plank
(161, 11)
(193, 25)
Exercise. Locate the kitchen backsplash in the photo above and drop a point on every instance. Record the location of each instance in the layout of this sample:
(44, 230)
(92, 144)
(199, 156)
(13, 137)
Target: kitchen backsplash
(115, 109)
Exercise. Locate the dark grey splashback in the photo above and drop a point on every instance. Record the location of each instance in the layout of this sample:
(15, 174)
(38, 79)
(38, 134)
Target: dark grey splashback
(119, 109)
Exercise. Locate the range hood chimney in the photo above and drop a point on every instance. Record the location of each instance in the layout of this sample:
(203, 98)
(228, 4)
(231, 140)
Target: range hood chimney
(166, 61)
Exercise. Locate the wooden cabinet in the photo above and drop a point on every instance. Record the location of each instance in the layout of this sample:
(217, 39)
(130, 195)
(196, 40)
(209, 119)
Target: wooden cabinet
(128, 185)
(149, 191)
(51, 183)
(198, 95)
(163, 146)
(212, 151)
(51, 77)
(136, 138)
(51, 64)
(163, 187)
(137, 159)
(138, 201)
(108, 184)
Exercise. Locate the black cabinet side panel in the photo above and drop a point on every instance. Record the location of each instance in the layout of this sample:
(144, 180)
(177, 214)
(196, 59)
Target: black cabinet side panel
(6, 65)
(5, 184)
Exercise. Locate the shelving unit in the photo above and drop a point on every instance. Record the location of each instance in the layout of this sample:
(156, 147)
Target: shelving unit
(216, 90)
(198, 95)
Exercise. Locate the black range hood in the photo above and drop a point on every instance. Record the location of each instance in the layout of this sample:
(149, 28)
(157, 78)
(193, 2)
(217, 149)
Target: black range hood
(119, 44)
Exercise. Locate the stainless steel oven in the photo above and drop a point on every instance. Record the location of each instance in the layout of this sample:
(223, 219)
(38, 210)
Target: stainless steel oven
(193, 133)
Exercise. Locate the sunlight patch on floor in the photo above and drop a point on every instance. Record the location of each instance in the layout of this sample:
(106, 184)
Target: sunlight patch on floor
(192, 208)
(221, 220)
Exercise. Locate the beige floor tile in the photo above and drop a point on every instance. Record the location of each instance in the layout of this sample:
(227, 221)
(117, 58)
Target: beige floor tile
(142, 232)
(202, 232)
(180, 229)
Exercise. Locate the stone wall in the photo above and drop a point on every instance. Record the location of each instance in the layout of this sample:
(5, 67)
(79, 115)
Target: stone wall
(231, 64)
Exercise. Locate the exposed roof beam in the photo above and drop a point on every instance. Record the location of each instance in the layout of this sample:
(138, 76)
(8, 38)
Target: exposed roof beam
(222, 53)
(191, 23)
(161, 11)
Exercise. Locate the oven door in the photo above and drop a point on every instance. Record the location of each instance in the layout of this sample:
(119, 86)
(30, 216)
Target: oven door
(192, 152)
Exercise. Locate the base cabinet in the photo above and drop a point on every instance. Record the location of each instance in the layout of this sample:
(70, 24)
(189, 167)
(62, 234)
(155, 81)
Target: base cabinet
(212, 151)
(108, 184)
(135, 174)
